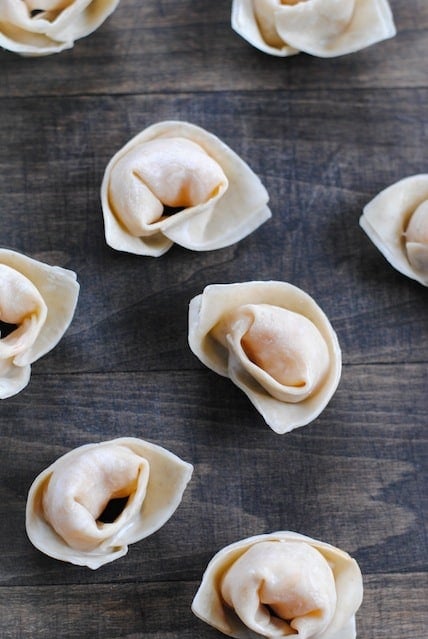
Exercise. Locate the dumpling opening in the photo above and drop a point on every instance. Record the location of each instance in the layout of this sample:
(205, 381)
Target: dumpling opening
(184, 200)
(7, 328)
(161, 178)
(46, 9)
(281, 589)
(168, 211)
(287, 610)
(113, 510)
(277, 621)
(90, 497)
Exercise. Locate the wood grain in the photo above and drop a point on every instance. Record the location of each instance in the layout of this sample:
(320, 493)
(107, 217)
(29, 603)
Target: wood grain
(320, 170)
(160, 610)
(324, 136)
(133, 53)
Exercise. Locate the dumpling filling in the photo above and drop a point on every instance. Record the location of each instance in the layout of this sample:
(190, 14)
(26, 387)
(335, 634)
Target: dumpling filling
(91, 503)
(283, 350)
(22, 306)
(416, 239)
(280, 588)
(264, 11)
(78, 492)
(162, 174)
(47, 9)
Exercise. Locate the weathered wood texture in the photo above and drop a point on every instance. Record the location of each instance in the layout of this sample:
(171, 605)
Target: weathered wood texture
(324, 136)
(151, 47)
(160, 606)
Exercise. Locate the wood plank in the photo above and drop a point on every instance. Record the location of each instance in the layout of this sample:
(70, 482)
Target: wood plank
(162, 610)
(352, 477)
(131, 53)
(324, 136)
(51, 168)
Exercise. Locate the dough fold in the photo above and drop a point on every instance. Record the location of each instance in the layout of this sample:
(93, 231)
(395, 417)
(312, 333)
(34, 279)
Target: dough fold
(280, 585)
(396, 221)
(37, 304)
(323, 28)
(41, 27)
(91, 503)
(274, 342)
(177, 183)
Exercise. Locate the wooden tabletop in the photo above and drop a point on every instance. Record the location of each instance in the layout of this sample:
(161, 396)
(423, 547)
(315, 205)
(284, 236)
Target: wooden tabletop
(324, 136)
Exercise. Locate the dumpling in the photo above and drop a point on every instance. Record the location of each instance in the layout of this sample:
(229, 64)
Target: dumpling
(396, 221)
(280, 585)
(323, 28)
(274, 342)
(175, 182)
(41, 27)
(37, 304)
(95, 500)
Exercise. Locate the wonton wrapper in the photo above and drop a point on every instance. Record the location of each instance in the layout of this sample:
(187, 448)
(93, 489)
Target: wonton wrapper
(258, 586)
(66, 500)
(216, 197)
(291, 377)
(396, 221)
(40, 300)
(42, 27)
(323, 28)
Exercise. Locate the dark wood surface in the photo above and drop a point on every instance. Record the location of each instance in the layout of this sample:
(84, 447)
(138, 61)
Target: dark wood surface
(324, 136)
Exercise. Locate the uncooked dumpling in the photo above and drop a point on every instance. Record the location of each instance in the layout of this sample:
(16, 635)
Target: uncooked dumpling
(37, 304)
(138, 483)
(323, 28)
(42, 27)
(396, 221)
(274, 342)
(280, 585)
(175, 182)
